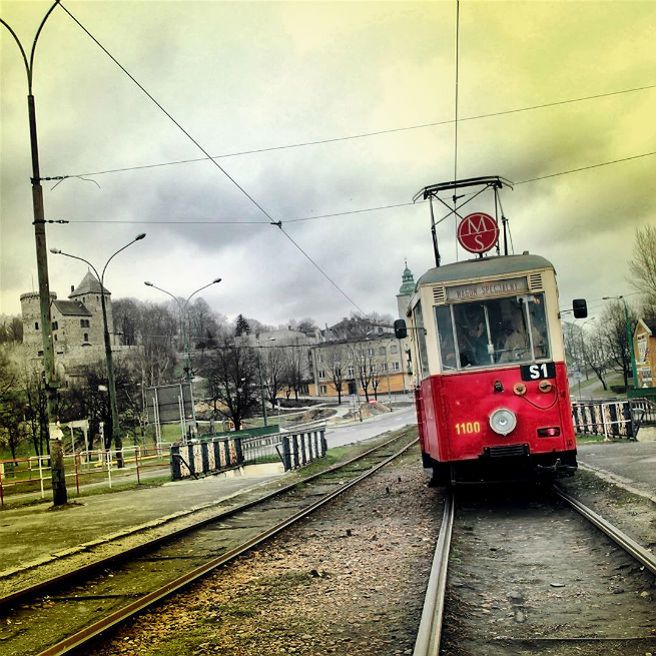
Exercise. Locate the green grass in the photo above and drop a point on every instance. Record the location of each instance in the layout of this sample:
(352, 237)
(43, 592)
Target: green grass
(589, 439)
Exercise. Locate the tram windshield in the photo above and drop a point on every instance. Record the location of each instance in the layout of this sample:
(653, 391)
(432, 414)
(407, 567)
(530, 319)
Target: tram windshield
(494, 332)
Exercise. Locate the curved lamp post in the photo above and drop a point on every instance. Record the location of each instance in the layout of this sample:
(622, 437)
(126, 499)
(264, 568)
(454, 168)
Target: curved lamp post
(60, 496)
(184, 328)
(115, 433)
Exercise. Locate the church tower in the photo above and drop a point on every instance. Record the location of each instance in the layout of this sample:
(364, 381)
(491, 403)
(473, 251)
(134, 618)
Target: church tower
(406, 291)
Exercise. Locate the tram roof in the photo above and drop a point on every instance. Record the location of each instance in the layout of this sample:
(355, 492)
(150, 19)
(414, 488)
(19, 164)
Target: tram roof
(483, 267)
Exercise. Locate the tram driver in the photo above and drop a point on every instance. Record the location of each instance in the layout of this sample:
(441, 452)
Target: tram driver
(473, 341)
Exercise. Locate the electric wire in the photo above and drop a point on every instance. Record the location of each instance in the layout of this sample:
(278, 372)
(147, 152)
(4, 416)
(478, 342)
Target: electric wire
(198, 145)
(167, 114)
(357, 211)
(315, 217)
(349, 137)
(586, 168)
(455, 122)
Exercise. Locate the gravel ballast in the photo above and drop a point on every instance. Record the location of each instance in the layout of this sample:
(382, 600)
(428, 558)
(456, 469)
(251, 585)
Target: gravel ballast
(349, 579)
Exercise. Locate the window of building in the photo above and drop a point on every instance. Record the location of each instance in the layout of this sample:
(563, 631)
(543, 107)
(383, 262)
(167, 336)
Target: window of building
(396, 366)
(36, 325)
(350, 372)
(394, 348)
(323, 389)
(370, 351)
(322, 373)
(86, 337)
(381, 350)
(55, 325)
(55, 336)
(84, 323)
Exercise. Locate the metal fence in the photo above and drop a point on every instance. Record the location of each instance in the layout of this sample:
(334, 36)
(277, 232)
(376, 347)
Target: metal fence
(207, 457)
(301, 448)
(27, 479)
(618, 419)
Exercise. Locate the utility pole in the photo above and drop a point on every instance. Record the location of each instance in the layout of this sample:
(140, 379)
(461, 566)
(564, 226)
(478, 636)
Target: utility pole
(59, 493)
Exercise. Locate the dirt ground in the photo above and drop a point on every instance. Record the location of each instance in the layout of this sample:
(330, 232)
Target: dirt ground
(349, 580)
(528, 576)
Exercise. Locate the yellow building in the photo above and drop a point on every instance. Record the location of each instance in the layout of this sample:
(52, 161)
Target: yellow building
(644, 346)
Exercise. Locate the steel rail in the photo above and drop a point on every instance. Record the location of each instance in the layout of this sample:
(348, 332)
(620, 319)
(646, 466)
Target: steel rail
(429, 633)
(27, 592)
(74, 643)
(629, 545)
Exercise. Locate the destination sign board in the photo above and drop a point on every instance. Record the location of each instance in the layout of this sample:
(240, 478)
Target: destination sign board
(505, 287)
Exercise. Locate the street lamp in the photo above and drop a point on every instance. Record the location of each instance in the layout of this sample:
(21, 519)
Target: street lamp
(629, 336)
(115, 432)
(59, 494)
(184, 328)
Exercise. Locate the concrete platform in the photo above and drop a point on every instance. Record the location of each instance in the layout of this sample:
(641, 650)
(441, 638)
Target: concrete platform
(631, 465)
(33, 535)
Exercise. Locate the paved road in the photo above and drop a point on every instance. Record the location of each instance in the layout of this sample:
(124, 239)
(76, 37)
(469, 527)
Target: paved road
(339, 436)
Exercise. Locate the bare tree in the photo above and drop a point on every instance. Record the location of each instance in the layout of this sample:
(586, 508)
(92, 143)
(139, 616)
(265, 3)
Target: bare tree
(595, 355)
(232, 377)
(362, 356)
(337, 357)
(294, 371)
(203, 324)
(273, 364)
(11, 330)
(157, 330)
(127, 314)
(613, 336)
(643, 264)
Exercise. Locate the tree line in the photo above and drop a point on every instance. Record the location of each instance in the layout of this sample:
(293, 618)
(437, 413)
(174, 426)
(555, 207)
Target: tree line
(604, 347)
(234, 373)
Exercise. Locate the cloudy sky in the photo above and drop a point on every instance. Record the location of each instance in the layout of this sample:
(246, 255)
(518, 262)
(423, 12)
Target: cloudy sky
(255, 76)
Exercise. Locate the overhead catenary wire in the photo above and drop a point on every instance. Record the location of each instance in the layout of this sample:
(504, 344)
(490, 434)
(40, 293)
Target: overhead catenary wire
(168, 115)
(360, 135)
(208, 156)
(586, 168)
(362, 210)
(455, 123)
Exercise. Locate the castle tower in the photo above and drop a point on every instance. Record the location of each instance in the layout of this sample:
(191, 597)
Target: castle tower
(406, 291)
(31, 315)
(89, 292)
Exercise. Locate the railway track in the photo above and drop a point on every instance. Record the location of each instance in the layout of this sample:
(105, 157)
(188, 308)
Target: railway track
(429, 635)
(66, 614)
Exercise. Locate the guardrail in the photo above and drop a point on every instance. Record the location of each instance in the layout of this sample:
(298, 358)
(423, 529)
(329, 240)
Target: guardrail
(616, 419)
(27, 479)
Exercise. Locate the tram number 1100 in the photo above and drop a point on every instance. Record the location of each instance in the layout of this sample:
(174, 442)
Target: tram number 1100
(468, 427)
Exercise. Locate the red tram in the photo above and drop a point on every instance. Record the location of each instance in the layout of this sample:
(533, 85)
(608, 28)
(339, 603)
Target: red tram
(492, 395)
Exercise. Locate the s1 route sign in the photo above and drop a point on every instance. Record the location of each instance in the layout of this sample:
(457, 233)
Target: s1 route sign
(478, 232)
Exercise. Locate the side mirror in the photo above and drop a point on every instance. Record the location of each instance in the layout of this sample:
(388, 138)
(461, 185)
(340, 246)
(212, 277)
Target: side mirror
(400, 329)
(580, 308)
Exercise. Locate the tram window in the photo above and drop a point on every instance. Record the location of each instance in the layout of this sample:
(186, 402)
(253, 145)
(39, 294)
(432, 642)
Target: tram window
(421, 339)
(539, 332)
(475, 346)
(498, 331)
(445, 336)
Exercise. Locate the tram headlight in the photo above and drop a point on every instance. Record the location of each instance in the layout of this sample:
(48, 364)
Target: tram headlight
(503, 421)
